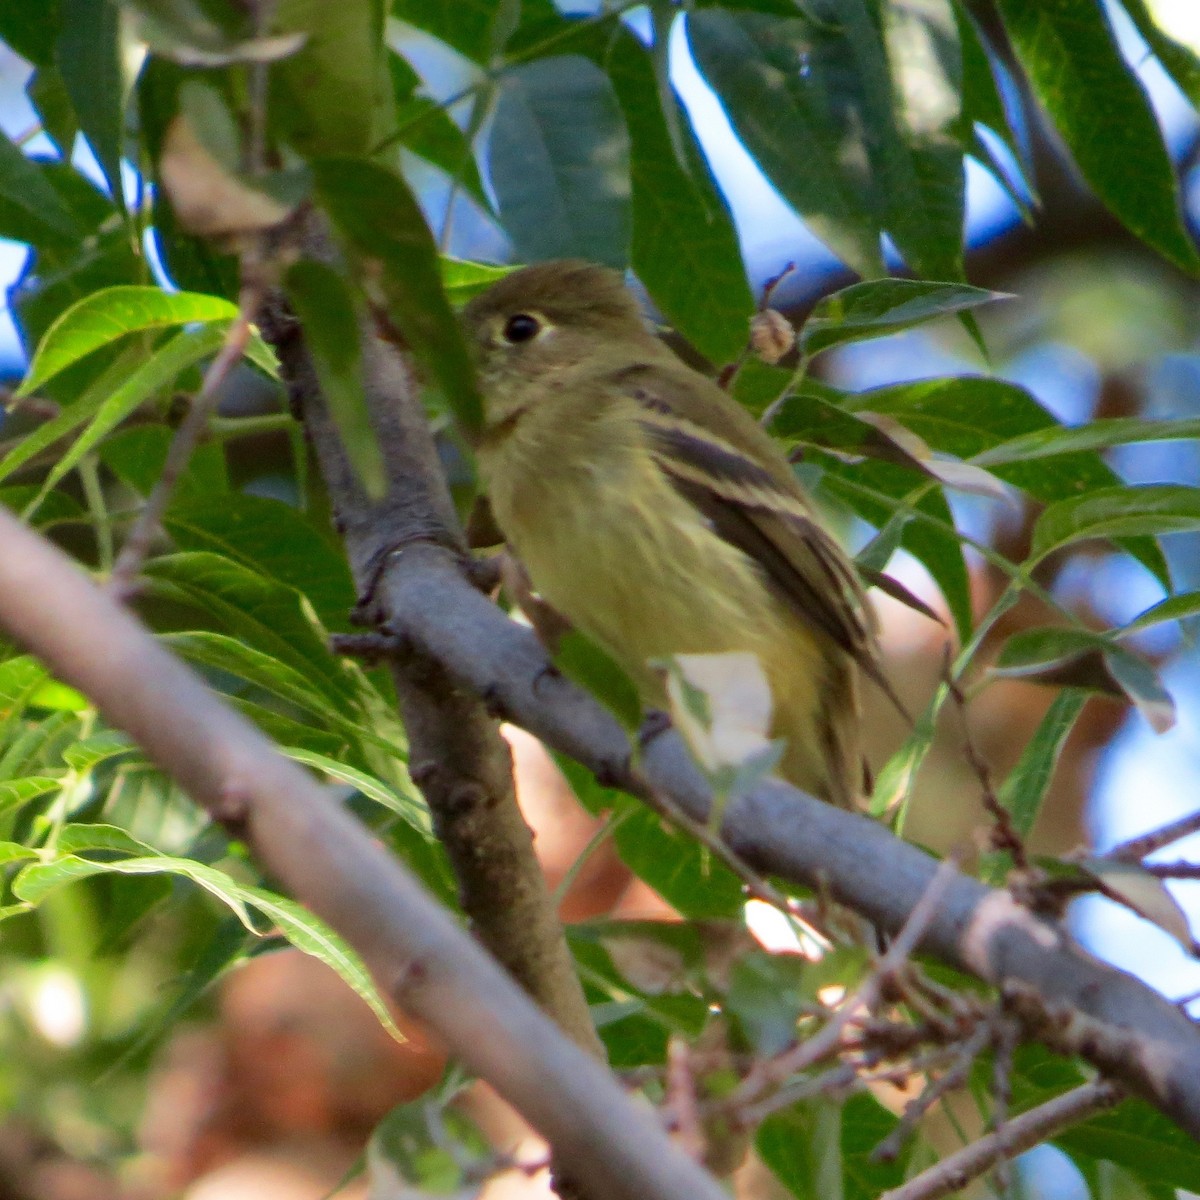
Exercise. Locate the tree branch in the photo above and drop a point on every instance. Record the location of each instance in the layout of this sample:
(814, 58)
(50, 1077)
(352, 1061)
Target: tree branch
(428, 965)
(1022, 1133)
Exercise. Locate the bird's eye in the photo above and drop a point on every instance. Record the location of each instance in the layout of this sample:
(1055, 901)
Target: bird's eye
(521, 327)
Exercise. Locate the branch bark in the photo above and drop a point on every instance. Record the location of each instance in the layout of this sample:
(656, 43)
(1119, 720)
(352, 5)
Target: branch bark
(430, 967)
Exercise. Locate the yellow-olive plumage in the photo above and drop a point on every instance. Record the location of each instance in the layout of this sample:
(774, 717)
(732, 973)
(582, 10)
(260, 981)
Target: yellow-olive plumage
(652, 511)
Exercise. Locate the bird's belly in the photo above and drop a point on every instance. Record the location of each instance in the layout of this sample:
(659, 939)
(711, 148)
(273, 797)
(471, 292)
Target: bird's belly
(650, 578)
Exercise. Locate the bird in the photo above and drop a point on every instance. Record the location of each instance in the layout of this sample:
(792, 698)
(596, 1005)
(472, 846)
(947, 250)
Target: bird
(655, 514)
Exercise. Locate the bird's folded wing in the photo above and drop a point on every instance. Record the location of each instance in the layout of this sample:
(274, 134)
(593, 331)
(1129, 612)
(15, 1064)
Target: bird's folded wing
(754, 511)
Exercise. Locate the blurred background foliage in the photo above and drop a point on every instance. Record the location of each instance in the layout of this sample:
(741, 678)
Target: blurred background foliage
(1012, 466)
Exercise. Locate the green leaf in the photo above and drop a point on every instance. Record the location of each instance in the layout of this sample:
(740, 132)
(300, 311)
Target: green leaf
(470, 26)
(918, 164)
(11, 852)
(1133, 1135)
(275, 677)
(83, 755)
(1149, 509)
(409, 805)
(1025, 788)
(73, 415)
(1081, 659)
(1071, 56)
(48, 95)
(136, 456)
(1095, 435)
(376, 212)
(874, 490)
(261, 613)
(873, 94)
(684, 248)
(106, 316)
(752, 62)
(16, 793)
(426, 129)
(31, 208)
(823, 1149)
(558, 162)
(77, 839)
(965, 416)
(1024, 791)
(580, 659)
(159, 371)
(303, 930)
(324, 303)
(767, 994)
(1174, 608)
(184, 32)
(333, 96)
(273, 539)
(678, 868)
(885, 306)
(1182, 61)
(31, 29)
(464, 280)
(983, 100)
(89, 56)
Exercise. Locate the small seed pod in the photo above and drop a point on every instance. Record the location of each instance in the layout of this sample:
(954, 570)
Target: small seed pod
(771, 335)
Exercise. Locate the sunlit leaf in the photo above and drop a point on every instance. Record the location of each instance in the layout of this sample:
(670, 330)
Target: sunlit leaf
(303, 930)
(1095, 435)
(157, 372)
(106, 316)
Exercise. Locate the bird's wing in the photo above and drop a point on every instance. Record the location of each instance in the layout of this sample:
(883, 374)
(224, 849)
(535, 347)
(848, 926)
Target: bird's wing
(759, 513)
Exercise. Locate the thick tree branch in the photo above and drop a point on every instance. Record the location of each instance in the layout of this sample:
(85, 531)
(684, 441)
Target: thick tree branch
(456, 754)
(1066, 997)
(431, 967)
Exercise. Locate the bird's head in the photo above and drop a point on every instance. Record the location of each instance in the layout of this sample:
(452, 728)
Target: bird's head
(542, 323)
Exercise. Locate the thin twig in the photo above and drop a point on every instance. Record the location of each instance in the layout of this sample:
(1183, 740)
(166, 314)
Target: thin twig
(141, 536)
(1137, 848)
(843, 1080)
(1004, 836)
(254, 283)
(933, 1091)
(1031, 1128)
(1173, 870)
(868, 995)
(681, 1099)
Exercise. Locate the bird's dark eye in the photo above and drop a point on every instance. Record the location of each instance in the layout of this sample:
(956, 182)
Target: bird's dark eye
(521, 327)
